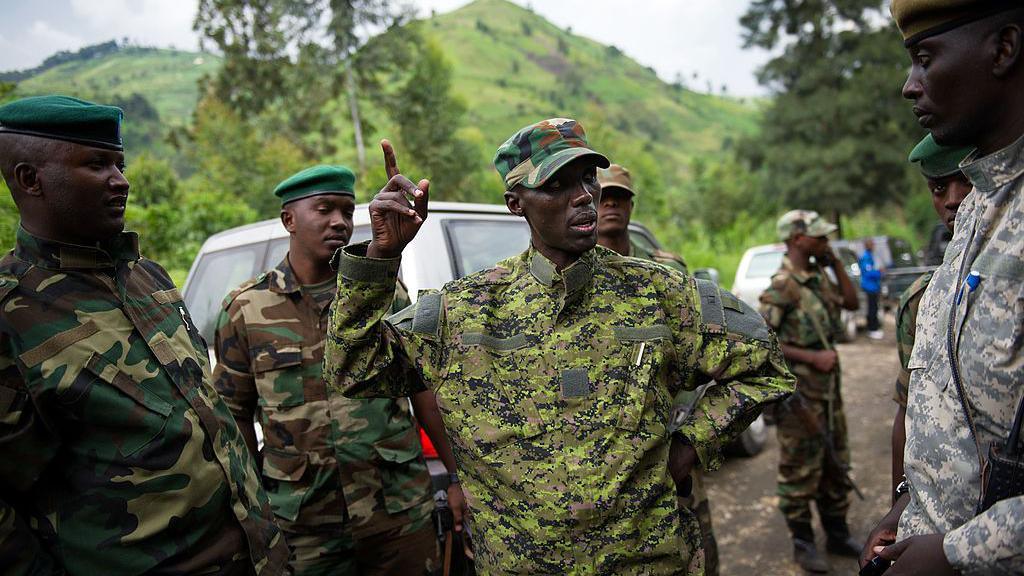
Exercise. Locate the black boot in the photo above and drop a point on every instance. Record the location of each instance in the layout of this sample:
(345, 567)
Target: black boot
(840, 542)
(804, 552)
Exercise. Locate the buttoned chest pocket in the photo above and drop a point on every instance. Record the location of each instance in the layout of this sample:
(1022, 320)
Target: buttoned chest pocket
(635, 374)
(488, 394)
(277, 370)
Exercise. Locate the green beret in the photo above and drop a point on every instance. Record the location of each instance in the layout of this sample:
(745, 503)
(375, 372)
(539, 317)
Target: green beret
(938, 161)
(317, 180)
(536, 152)
(920, 19)
(64, 118)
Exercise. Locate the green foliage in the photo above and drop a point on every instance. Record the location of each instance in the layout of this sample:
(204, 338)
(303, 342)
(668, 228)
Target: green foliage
(7, 91)
(8, 218)
(428, 117)
(837, 133)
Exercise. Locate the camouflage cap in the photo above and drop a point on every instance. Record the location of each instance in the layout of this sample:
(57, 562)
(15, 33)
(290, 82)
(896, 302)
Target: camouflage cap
(317, 180)
(937, 161)
(537, 151)
(806, 222)
(64, 118)
(920, 19)
(615, 176)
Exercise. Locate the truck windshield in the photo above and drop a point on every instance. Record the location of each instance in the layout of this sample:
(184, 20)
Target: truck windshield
(217, 274)
(765, 264)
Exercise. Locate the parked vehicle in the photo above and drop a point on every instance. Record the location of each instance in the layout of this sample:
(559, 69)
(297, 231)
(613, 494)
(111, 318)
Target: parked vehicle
(456, 240)
(760, 263)
(899, 263)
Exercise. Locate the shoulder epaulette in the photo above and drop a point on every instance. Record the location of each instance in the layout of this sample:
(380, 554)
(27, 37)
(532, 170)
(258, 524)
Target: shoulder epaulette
(243, 287)
(427, 317)
(721, 311)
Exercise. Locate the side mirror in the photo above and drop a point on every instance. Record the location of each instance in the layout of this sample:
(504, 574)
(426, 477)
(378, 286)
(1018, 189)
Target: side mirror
(707, 274)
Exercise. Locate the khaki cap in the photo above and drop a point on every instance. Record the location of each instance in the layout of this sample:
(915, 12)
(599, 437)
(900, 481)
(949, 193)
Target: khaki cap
(615, 176)
(806, 222)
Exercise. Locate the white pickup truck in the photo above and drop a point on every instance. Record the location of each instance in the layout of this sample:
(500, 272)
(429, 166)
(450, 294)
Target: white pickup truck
(457, 239)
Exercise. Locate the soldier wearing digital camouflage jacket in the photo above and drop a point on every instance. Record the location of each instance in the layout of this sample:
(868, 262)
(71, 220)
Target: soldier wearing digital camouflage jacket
(346, 477)
(966, 77)
(940, 167)
(614, 213)
(117, 456)
(802, 305)
(556, 371)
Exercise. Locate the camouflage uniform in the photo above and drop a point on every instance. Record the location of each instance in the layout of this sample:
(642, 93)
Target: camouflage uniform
(792, 305)
(341, 473)
(556, 389)
(697, 501)
(942, 461)
(906, 326)
(117, 456)
(663, 257)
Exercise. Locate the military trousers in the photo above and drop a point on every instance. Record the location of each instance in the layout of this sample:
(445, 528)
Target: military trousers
(804, 474)
(398, 551)
(697, 502)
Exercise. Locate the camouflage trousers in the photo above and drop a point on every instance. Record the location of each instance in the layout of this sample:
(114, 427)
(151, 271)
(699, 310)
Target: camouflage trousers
(804, 475)
(396, 551)
(697, 502)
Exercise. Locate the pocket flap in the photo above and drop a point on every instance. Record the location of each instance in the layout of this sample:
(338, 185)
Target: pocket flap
(284, 466)
(514, 342)
(111, 374)
(400, 448)
(266, 357)
(642, 333)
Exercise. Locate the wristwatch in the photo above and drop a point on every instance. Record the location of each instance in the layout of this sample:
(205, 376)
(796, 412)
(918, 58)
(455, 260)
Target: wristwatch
(902, 488)
(453, 478)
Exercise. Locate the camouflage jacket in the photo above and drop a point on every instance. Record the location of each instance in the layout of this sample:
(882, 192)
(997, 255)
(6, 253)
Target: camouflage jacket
(327, 459)
(906, 326)
(662, 257)
(803, 308)
(115, 450)
(556, 390)
(942, 461)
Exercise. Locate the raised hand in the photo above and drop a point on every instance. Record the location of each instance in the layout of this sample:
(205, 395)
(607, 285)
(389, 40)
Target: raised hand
(393, 219)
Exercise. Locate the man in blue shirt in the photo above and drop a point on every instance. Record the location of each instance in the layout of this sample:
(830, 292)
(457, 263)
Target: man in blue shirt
(871, 284)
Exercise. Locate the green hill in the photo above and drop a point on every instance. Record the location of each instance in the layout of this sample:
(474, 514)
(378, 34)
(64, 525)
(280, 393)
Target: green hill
(166, 78)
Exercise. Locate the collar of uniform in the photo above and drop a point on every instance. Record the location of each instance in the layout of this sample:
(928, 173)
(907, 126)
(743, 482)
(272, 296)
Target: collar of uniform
(801, 276)
(282, 278)
(54, 255)
(576, 277)
(996, 170)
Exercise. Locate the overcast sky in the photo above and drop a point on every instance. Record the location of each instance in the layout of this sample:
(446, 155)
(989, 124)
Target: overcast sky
(672, 36)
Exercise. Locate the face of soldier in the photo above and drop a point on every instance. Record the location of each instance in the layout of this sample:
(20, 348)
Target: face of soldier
(563, 212)
(84, 192)
(947, 195)
(614, 211)
(318, 225)
(952, 85)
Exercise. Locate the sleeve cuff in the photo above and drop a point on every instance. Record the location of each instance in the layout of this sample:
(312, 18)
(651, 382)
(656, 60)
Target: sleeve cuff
(353, 264)
(707, 451)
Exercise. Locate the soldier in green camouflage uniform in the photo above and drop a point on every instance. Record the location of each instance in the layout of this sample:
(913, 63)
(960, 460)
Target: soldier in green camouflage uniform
(117, 456)
(346, 477)
(802, 305)
(940, 167)
(556, 370)
(614, 213)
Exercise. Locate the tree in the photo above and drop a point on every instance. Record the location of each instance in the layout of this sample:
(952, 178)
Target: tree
(429, 117)
(290, 58)
(837, 133)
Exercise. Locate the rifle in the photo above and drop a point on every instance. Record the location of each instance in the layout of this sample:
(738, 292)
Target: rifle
(798, 406)
(451, 545)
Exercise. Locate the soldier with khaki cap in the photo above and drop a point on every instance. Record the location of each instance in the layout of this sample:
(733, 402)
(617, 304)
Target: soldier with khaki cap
(966, 370)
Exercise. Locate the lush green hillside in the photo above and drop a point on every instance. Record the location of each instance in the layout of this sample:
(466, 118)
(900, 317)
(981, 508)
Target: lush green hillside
(166, 78)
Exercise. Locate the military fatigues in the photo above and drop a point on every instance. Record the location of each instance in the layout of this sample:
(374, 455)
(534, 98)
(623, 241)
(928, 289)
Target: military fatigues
(803, 307)
(555, 389)
(669, 259)
(117, 456)
(988, 330)
(697, 501)
(346, 477)
(906, 326)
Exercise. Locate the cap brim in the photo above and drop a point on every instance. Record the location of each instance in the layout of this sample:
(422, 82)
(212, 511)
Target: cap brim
(612, 185)
(556, 161)
(822, 229)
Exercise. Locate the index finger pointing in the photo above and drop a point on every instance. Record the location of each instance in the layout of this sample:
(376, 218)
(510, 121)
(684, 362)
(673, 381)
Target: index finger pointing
(390, 164)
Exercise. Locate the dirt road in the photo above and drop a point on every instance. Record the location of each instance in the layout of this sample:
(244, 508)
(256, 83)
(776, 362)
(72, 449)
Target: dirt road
(752, 536)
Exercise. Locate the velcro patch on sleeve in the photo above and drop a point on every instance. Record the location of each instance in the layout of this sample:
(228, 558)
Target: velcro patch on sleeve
(711, 312)
(428, 314)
